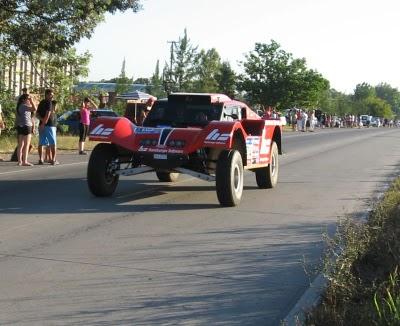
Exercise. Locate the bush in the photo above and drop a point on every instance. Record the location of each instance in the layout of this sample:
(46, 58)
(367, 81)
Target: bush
(361, 267)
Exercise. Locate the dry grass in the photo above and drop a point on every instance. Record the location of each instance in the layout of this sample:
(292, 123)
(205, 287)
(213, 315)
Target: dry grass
(361, 266)
(65, 143)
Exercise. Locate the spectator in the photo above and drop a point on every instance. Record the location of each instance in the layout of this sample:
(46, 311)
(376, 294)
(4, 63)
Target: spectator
(145, 111)
(87, 106)
(24, 122)
(102, 102)
(47, 127)
(312, 120)
(268, 113)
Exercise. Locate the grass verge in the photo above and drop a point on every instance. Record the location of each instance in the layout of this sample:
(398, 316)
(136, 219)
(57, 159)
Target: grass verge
(64, 143)
(361, 265)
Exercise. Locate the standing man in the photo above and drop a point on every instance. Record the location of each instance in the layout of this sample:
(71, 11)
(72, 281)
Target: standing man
(47, 127)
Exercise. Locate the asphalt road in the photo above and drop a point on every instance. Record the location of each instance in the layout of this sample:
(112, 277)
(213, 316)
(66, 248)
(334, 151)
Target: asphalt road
(156, 253)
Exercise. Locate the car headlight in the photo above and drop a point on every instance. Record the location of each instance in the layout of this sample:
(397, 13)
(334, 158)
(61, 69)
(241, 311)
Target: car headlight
(176, 143)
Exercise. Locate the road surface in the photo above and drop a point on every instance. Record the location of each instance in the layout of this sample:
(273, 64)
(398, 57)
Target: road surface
(159, 254)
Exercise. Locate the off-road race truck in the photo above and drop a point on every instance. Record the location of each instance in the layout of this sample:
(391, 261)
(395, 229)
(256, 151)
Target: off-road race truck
(208, 136)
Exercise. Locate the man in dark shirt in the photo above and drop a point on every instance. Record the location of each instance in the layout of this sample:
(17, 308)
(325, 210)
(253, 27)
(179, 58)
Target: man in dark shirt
(47, 126)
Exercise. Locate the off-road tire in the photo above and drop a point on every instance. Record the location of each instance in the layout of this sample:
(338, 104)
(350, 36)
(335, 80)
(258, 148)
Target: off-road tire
(268, 177)
(100, 181)
(229, 178)
(167, 176)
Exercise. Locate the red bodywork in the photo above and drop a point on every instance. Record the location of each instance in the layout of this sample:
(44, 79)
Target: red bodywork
(254, 133)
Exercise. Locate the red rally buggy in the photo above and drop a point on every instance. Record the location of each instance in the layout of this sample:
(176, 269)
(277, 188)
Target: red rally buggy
(208, 136)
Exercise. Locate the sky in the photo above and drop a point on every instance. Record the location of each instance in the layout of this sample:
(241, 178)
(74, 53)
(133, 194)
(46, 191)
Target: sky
(347, 41)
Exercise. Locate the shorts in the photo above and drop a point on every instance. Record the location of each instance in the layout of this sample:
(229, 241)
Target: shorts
(24, 130)
(83, 132)
(47, 136)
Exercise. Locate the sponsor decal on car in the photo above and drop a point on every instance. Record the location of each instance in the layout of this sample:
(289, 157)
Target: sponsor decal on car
(147, 130)
(253, 149)
(215, 137)
(160, 150)
(99, 131)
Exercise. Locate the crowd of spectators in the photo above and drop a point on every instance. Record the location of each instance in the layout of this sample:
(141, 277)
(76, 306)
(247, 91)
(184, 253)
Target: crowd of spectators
(308, 120)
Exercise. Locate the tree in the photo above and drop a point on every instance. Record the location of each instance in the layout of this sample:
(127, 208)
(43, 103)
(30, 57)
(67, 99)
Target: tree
(377, 107)
(36, 26)
(122, 82)
(181, 73)
(142, 80)
(363, 91)
(272, 77)
(208, 66)
(390, 94)
(226, 79)
(156, 82)
(63, 72)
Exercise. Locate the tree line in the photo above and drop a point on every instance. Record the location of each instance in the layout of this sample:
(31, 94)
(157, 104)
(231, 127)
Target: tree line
(270, 76)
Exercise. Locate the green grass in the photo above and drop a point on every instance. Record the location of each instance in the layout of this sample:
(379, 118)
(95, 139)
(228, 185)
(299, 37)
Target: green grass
(64, 143)
(361, 265)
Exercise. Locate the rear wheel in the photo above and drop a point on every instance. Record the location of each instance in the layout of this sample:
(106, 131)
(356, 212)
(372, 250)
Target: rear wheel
(229, 178)
(268, 177)
(101, 178)
(167, 176)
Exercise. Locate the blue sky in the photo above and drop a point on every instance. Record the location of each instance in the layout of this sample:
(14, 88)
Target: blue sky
(348, 41)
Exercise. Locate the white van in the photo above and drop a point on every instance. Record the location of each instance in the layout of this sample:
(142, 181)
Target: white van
(365, 119)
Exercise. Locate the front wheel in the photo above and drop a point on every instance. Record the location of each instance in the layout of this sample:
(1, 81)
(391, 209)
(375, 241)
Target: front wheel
(167, 176)
(229, 178)
(101, 178)
(268, 177)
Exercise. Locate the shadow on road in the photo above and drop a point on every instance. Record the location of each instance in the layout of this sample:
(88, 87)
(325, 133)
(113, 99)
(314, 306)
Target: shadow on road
(57, 196)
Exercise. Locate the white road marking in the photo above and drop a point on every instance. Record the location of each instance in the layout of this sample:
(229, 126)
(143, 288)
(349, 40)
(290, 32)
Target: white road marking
(33, 167)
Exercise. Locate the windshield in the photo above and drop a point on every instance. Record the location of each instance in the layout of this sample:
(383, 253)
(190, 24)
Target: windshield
(183, 114)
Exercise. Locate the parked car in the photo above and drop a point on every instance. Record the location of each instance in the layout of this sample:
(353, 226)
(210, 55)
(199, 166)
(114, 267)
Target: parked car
(70, 119)
(375, 122)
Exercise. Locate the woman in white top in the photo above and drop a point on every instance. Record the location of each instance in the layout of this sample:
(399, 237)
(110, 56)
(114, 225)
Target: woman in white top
(25, 107)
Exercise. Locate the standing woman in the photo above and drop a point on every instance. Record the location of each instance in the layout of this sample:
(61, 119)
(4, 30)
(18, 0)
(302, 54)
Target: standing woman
(25, 108)
(87, 106)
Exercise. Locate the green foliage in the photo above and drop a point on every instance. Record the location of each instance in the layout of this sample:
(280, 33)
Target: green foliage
(361, 265)
(36, 26)
(226, 79)
(272, 77)
(63, 72)
(156, 82)
(376, 107)
(208, 67)
(387, 300)
(179, 77)
(8, 105)
(363, 91)
(390, 94)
